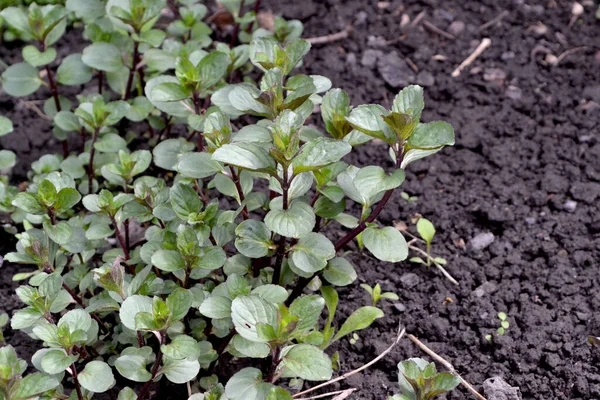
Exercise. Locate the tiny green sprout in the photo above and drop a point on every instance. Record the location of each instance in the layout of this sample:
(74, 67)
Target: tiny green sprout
(4, 318)
(408, 197)
(419, 380)
(376, 294)
(504, 325)
(355, 338)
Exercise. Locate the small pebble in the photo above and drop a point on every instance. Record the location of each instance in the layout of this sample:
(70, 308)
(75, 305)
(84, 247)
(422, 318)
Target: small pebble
(400, 307)
(513, 92)
(497, 389)
(508, 55)
(481, 241)
(530, 220)
(485, 288)
(361, 18)
(570, 206)
(425, 78)
(456, 28)
(351, 58)
(409, 279)
(370, 57)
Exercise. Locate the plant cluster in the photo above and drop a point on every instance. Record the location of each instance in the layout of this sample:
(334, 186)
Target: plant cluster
(185, 230)
(504, 325)
(419, 380)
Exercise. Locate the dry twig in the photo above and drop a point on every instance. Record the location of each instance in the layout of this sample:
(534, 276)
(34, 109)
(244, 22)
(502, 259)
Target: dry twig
(446, 364)
(30, 105)
(432, 28)
(485, 43)
(567, 53)
(439, 266)
(356, 371)
(339, 395)
(331, 38)
(493, 21)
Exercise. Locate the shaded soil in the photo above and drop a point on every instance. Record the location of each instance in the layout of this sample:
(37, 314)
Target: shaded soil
(527, 148)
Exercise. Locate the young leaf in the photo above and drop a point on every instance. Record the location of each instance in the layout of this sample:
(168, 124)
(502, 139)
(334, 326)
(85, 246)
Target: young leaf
(21, 80)
(426, 229)
(306, 362)
(409, 101)
(247, 384)
(339, 272)
(254, 239)
(318, 153)
(72, 71)
(245, 155)
(312, 253)
(103, 56)
(248, 311)
(216, 307)
(97, 377)
(131, 307)
(294, 222)
(6, 126)
(358, 320)
(34, 57)
(34, 385)
(387, 244)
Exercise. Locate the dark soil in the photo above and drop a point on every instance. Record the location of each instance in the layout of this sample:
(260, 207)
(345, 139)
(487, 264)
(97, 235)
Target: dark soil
(527, 148)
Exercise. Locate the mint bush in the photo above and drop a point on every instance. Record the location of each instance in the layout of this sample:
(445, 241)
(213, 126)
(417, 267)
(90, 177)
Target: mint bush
(153, 256)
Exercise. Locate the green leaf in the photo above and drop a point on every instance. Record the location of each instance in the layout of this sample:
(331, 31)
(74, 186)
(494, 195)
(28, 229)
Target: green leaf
(168, 260)
(339, 272)
(197, 165)
(6, 126)
(59, 233)
(318, 153)
(170, 91)
(248, 311)
(311, 254)
(278, 393)
(254, 239)
(131, 307)
(306, 361)
(212, 68)
(167, 153)
(372, 180)
(140, 108)
(72, 71)
(16, 18)
(67, 121)
(21, 80)
(34, 57)
(387, 244)
(8, 159)
(410, 102)
(245, 155)
(180, 371)
(97, 377)
(181, 347)
(184, 200)
(274, 293)
(216, 307)
(368, 120)
(358, 320)
(87, 9)
(425, 229)
(247, 384)
(334, 108)
(56, 361)
(250, 349)
(431, 135)
(103, 56)
(27, 201)
(66, 199)
(308, 309)
(179, 303)
(294, 222)
(132, 364)
(34, 385)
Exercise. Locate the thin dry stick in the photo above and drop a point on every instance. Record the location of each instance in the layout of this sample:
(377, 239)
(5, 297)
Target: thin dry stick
(30, 105)
(493, 21)
(341, 394)
(569, 52)
(356, 371)
(446, 364)
(431, 27)
(331, 38)
(442, 269)
(485, 43)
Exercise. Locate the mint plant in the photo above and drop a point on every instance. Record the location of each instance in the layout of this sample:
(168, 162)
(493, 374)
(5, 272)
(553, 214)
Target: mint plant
(189, 228)
(504, 325)
(419, 380)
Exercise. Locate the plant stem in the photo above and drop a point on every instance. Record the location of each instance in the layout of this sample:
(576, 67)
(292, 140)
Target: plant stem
(281, 246)
(272, 377)
(91, 163)
(196, 101)
(121, 239)
(236, 30)
(256, 8)
(76, 381)
(238, 186)
(100, 81)
(146, 388)
(132, 70)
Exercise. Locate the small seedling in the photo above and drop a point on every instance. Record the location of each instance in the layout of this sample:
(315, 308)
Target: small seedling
(504, 325)
(376, 295)
(355, 338)
(408, 197)
(426, 230)
(3, 321)
(419, 380)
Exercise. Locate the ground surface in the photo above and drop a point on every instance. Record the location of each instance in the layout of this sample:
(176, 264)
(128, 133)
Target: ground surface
(526, 168)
